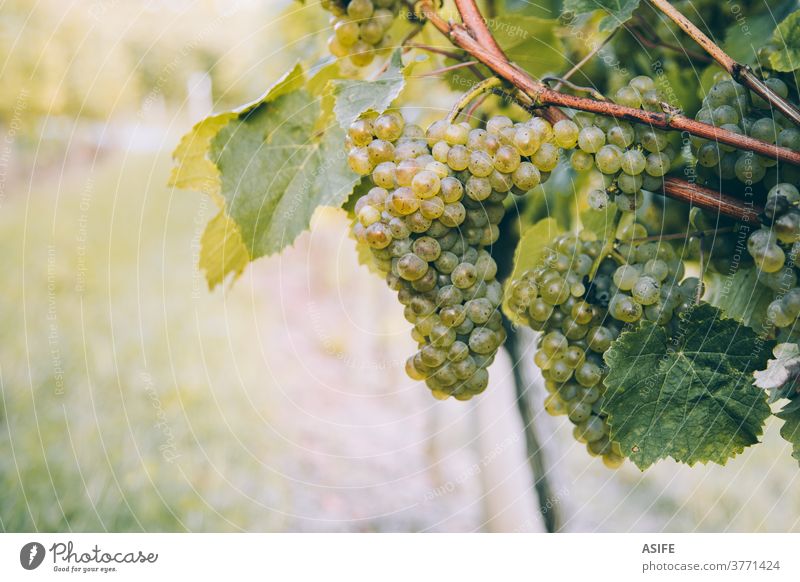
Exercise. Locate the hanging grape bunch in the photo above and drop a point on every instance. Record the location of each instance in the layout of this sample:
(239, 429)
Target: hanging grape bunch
(432, 214)
(359, 27)
(580, 313)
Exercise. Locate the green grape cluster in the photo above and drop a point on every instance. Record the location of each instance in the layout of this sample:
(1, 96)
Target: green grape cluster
(630, 157)
(766, 245)
(359, 27)
(576, 331)
(650, 285)
(775, 249)
(432, 214)
(732, 107)
(580, 299)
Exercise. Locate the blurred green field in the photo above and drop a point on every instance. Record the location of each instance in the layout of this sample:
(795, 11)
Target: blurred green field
(111, 352)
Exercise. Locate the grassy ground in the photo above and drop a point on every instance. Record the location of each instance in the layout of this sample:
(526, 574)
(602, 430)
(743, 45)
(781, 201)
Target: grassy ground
(111, 417)
(133, 399)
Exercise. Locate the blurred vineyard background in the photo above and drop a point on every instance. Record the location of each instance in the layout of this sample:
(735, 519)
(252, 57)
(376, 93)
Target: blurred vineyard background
(133, 399)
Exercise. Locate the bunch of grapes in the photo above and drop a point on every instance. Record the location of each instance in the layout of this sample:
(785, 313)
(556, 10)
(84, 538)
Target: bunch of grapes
(434, 210)
(775, 249)
(359, 27)
(732, 107)
(576, 331)
(580, 313)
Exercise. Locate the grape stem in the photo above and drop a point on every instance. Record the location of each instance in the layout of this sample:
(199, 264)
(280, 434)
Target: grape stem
(436, 50)
(741, 73)
(684, 235)
(442, 70)
(541, 95)
(617, 256)
(608, 247)
(476, 26)
(478, 89)
(547, 506)
(709, 199)
(562, 81)
(469, 113)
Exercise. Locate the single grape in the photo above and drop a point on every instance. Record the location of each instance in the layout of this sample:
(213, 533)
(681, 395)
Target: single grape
(565, 133)
(609, 159)
(591, 139)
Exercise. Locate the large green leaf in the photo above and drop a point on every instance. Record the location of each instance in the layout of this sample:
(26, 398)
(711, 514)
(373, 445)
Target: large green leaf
(532, 43)
(787, 36)
(268, 165)
(276, 170)
(356, 96)
(618, 11)
(791, 425)
(689, 396)
(740, 296)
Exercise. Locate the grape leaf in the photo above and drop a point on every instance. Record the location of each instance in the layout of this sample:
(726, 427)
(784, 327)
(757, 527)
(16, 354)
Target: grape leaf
(618, 11)
(276, 171)
(360, 189)
(740, 296)
(193, 170)
(791, 425)
(268, 165)
(782, 376)
(745, 36)
(688, 396)
(222, 250)
(600, 222)
(356, 96)
(530, 250)
(787, 36)
(532, 43)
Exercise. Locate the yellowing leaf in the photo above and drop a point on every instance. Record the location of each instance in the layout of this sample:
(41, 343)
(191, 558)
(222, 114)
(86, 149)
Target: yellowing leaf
(193, 170)
(222, 251)
(268, 164)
